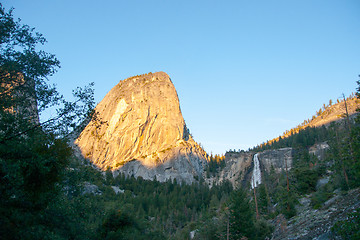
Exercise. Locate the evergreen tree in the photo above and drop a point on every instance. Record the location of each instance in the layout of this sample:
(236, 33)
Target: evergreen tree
(241, 216)
(263, 200)
(33, 154)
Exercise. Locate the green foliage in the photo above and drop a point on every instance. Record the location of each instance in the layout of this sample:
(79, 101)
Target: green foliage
(263, 200)
(216, 163)
(304, 138)
(349, 228)
(344, 153)
(157, 210)
(241, 216)
(18, 52)
(118, 225)
(321, 196)
(286, 201)
(306, 171)
(169, 204)
(33, 154)
(41, 183)
(354, 163)
(263, 230)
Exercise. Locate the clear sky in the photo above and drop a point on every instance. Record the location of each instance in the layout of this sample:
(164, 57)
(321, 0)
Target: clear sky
(245, 71)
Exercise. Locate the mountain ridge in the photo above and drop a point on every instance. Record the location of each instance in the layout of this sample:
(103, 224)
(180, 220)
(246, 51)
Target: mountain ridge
(324, 116)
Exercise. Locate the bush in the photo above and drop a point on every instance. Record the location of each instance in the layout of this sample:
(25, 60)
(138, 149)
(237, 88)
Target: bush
(349, 228)
(322, 195)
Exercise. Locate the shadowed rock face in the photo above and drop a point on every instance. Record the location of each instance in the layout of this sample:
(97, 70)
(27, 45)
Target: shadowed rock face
(145, 134)
(238, 166)
(279, 159)
(18, 96)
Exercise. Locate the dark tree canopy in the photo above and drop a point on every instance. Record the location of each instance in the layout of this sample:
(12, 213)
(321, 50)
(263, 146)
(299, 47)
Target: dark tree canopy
(241, 216)
(33, 154)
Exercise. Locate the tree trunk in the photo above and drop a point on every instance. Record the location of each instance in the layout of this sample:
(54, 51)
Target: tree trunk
(256, 204)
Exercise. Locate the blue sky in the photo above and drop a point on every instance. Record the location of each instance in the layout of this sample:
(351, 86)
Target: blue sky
(245, 71)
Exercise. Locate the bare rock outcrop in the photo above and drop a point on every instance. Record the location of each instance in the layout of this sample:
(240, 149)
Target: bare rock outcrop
(18, 96)
(239, 165)
(279, 159)
(312, 223)
(319, 150)
(145, 133)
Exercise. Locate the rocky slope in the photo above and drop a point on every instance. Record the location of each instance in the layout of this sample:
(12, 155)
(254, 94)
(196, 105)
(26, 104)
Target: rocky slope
(312, 223)
(335, 112)
(144, 134)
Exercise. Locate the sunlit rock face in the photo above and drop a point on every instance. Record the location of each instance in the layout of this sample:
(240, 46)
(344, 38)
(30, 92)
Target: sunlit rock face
(145, 133)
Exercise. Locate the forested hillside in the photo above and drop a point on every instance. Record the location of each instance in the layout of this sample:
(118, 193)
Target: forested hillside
(46, 192)
(319, 180)
(343, 110)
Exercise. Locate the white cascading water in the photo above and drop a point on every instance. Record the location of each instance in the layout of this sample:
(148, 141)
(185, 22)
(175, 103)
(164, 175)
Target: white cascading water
(256, 176)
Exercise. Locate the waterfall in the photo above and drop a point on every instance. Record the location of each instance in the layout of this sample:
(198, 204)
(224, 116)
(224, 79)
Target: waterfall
(256, 176)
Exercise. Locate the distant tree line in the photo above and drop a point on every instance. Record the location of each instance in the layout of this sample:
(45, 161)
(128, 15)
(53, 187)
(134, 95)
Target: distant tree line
(322, 112)
(215, 164)
(43, 185)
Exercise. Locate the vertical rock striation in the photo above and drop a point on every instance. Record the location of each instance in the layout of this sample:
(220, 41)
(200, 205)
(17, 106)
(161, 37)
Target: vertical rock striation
(279, 159)
(145, 133)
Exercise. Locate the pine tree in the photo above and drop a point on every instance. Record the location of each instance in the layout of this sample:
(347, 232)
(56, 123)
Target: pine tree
(241, 216)
(33, 154)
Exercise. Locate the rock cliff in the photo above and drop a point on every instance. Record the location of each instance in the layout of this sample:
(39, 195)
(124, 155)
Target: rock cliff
(279, 159)
(312, 223)
(144, 133)
(239, 166)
